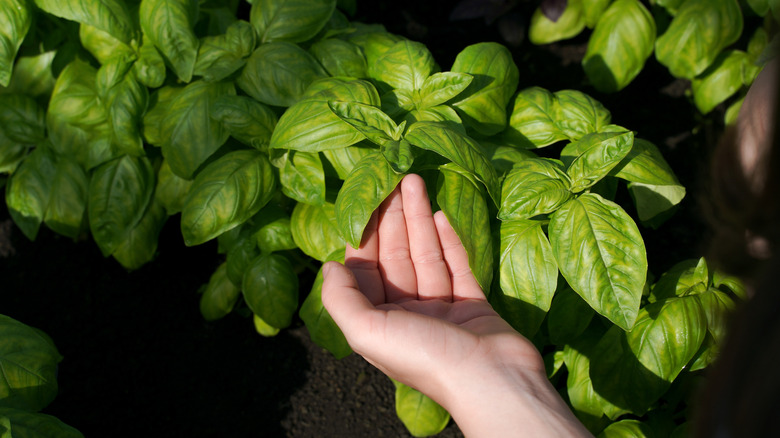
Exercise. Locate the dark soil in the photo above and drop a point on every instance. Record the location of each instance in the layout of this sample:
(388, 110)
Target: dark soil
(139, 360)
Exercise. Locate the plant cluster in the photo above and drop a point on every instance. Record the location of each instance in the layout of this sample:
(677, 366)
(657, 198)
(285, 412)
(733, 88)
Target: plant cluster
(279, 131)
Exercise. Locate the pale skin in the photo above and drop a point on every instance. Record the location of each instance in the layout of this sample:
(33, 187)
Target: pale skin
(408, 303)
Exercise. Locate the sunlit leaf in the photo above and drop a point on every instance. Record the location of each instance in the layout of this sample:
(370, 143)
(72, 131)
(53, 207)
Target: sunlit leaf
(533, 187)
(111, 16)
(315, 230)
(421, 415)
(290, 20)
(15, 20)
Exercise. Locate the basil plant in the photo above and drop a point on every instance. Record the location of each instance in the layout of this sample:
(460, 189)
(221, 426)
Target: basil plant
(276, 128)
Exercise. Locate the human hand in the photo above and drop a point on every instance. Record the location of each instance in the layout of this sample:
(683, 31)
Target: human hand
(408, 303)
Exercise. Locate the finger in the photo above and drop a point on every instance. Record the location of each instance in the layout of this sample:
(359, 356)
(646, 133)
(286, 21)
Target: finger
(433, 278)
(395, 262)
(464, 285)
(364, 263)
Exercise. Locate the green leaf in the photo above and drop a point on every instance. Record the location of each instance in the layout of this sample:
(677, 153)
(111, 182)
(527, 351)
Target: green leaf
(369, 120)
(458, 148)
(67, 205)
(619, 46)
(158, 111)
(579, 387)
(592, 10)
(169, 24)
(602, 256)
(322, 329)
(11, 154)
(734, 284)
(22, 120)
(568, 317)
(220, 295)
(15, 20)
(241, 253)
(263, 328)
(627, 429)
(534, 186)
(119, 193)
(340, 58)
(441, 87)
(149, 67)
(278, 73)
(345, 159)
(74, 98)
(290, 20)
(226, 193)
(421, 415)
(188, 132)
(375, 43)
(594, 156)
(140, 244)
(645, 164)
(697, 34)
(315, 230)
(720, 80)
(718, 307)
(569, 24)
(482, 105)
(171, 189)
(532, 122)
(126, 103)
(32, 75)
(102, 45)
(246, 119)
(222, 55)
(28, 191)
(526, 293)
(688, 277)
(275, 235)
(577, 114)
(270, 288)
(111, 16)
(463, 202)
(399, 155)
(405, 65)
(303, 177)
(654, 200)
(29, 362)
(32, 425)
(370, 182)
(310, 125)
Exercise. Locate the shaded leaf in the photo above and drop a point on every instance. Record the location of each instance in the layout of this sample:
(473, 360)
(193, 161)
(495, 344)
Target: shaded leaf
(168, 24)
(140, 244)
(593, 156)
(320, 325)
(111, 16)
(290, 20)
(220, 295)
(15, 20)
(270, 288)
(246, 119)
(340, 58)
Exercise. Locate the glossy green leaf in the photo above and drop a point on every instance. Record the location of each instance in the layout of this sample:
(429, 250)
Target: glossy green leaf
(462, 199)
(645, 164)
(276, 235)
(504, 158)
(29, 362)
(102, 45)
(119, 193)
(320, 325)
(699, 31)
(345, 159)
(482, 105)
(149, 67)
(406, 65)
(619, 46)
(11, 153)
(111, 16)
(340, 58)
(126, 103)
(246, 119)
(653, 200)
(577, 356)
(534, 186)
(721, 280)
(222, 55)
(441, 87)
(220, 295)
(189, 134)
(32, 75)
(28, 191)
(594, 156)
(399, 155)
(544, 31)
(263, 328)
(15, 20)
(688, 277)
(532, 122)
(440, 113)
(26, 424)
(375, 43)
(111, 73)
(171, 189)
(278, 73)
(627, 429)
(577, 114)
(67, 205)
(270, 288)
(140, 244)
(302, 177)
(568, 317)
(315, 230)
(158, 111)
(720, 80)
(601, 254)
(290, 20)
(369, 120)
(458, 148)
(243, 251)
(528, 275)
(592, 11)
(169, 24)
(718, 307)
(370, 182)
(310, 125)
(22, 120)
(226, 193)
(421, 415)
(74, 98)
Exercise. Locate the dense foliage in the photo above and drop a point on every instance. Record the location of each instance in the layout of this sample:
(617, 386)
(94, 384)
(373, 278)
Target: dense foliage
(277, 129)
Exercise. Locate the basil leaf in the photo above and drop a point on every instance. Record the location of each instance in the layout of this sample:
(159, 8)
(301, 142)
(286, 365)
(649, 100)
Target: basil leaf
(275, 235)
(579, 387)
(699, 31)
(594, 156)
(645, 164)
(322, 329)
(457, 148)
(627, 428)
(29, 362)
(370, 182)
(653, 200)
(592, 10)
(577, 114)
(303, 177)
(149, 67)
(534, 186)
(526, 292)
(278, 73)
(720, 80)
(11, 153)
(188, 132)
(421, 415)
(463, 202)
(29, 424)
(441, 87)
(22, 120)
(110, 16)
(243, 251)
(102, 45)
(315, 231)
(33, 75)
(688, 277)
(222, 55)
(171, 189)
(119, 193)
(602, 256)
(399, 155)
(532, 122)
(340, 58)
(67, 203)
(405, 65)
(310, 125)
(169, 24)
(263, 328)
(504, 157)
(226, 193)
(619, 46)
(544, 30)
(246, 119)
(482, 105)
(290, 20)
(126, 103)
(344, 160)
(220, 295)
(717, 307)
(74, 98)
(140, 243)
(270, 288)
(28, 191)
(375, 43)
(568, 317)
(375, 125)
(15, 20)
(159, 102)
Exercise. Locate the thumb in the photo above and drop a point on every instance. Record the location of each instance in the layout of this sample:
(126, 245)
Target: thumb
(346, 304)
